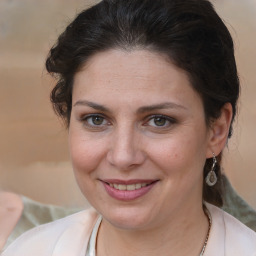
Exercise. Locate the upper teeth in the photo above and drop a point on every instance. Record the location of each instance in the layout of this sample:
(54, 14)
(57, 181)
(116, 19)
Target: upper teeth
(128, 187)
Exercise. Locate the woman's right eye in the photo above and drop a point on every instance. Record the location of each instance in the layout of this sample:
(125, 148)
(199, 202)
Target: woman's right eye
(94, 121)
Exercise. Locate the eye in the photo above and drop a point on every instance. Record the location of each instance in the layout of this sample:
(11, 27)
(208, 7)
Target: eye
(95, 121)
(160, 121)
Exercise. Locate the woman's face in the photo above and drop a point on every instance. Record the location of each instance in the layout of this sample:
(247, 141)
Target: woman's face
(138, 139)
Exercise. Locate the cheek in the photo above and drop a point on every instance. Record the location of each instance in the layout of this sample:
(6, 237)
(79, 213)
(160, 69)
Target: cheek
(85, 153)
(179, 155)
(170, 156)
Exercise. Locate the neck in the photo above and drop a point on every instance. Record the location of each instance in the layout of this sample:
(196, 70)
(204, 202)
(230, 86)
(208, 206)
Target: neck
(176, 236)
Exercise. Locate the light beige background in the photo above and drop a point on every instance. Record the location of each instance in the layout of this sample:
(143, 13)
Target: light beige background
(34, 157)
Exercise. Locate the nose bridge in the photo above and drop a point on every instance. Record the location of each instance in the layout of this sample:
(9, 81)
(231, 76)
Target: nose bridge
(125, 149)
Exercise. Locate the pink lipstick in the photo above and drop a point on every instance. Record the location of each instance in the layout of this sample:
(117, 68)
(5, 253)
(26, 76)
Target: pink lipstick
(128, 190)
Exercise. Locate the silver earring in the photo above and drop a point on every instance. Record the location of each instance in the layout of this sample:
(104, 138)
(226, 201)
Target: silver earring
(211, 177)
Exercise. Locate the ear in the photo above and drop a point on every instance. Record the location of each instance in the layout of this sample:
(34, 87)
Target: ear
(218, 131)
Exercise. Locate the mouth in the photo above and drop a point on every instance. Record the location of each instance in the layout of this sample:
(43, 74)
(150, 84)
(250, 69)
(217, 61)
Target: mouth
(128, 190)
(129, 187)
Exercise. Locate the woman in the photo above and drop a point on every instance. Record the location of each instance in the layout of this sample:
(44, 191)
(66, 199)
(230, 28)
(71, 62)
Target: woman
(148, 90)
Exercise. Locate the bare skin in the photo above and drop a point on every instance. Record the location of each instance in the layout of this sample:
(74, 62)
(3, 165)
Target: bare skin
(135, 119)
(175, 238)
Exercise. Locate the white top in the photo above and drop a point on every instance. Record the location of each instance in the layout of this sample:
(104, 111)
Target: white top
(70, 236)
(91, 249)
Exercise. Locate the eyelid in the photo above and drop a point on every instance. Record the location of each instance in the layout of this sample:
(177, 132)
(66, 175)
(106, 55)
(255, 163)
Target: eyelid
(86, 116)
(160, 115)
(171, 120)
(84, 119)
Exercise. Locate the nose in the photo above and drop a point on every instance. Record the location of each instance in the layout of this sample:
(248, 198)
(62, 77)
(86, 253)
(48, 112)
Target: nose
(125, 149)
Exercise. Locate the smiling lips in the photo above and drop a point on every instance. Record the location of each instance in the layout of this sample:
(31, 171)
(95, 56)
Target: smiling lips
(128, 190)
(128, 187)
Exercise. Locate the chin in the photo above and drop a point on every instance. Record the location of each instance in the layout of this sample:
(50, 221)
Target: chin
(129, 219)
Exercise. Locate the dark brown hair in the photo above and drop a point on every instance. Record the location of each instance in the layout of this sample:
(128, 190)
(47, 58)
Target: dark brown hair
(189, 32)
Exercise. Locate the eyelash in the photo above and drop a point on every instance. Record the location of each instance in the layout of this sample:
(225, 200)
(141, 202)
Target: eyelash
(85, 121)
(168, 119)
(105, 122)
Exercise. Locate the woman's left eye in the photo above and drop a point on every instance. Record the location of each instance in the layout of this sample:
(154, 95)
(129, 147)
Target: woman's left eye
(160, 121)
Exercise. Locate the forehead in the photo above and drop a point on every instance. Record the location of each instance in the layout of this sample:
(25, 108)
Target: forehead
(138, 75)
(113, 65)
(129, 60)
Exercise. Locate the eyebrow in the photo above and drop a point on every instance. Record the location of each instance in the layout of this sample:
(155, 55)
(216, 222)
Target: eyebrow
(92, 105)
(141, 110)
(165, 105)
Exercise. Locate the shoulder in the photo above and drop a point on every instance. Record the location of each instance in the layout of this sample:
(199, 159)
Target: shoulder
(11, 207)
(235, 205)
(238, 238)
(35, 214)
(69, 234)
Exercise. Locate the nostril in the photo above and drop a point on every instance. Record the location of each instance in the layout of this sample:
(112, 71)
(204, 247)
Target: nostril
(124, 151)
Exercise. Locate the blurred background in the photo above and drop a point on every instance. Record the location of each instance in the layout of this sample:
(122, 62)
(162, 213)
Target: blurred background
(34, 159)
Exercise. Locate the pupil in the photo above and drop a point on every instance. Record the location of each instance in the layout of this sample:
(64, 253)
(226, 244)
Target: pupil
(97, 120)
(160, 121)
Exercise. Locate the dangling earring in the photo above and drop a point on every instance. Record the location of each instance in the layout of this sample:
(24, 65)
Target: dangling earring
(211, 177)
